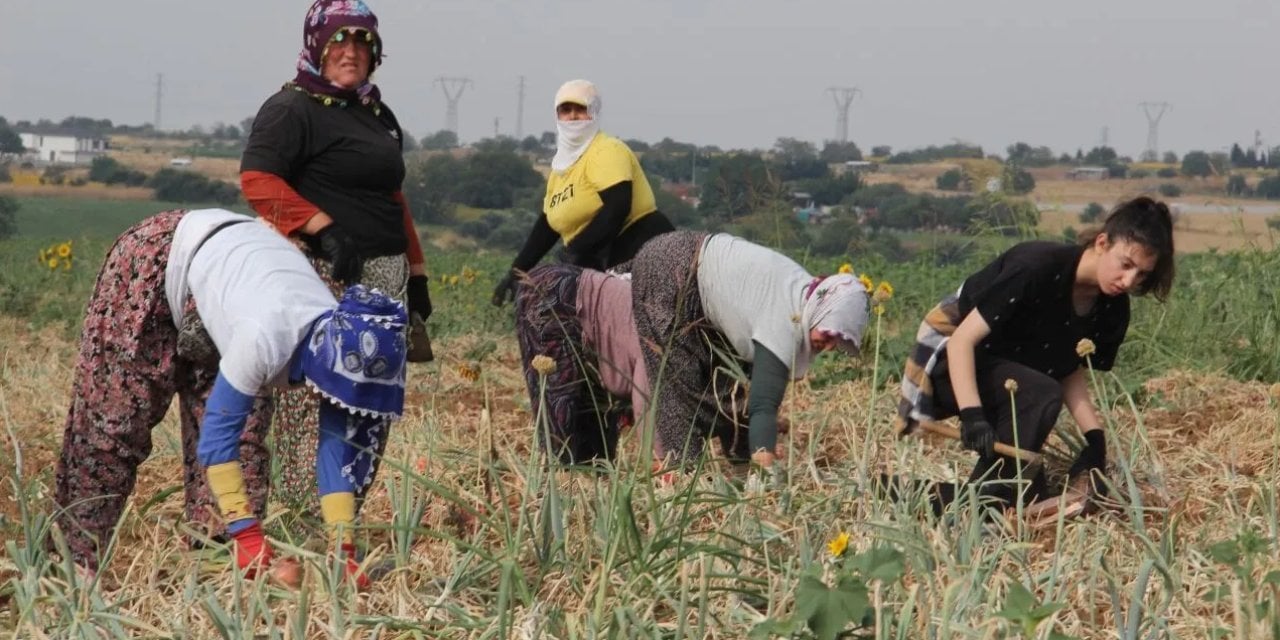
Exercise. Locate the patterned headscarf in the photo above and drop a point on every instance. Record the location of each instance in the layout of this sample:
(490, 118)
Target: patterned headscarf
(836, 306)
(355, 356)
(324, 21)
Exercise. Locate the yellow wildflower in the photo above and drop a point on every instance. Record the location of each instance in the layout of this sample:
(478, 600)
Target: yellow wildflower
(879, 309)
(43, 257)
(544, 365)
(66, 264)
(883, 292)
(469, 372)
(453, 280)
(1011, 385)
(846, 268)
(1085, 347)
(53, 263)
(64, 250)
(866, 282)
(838, 544)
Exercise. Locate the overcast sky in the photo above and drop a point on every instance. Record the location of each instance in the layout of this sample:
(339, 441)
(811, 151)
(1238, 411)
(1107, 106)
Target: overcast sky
(734, 73)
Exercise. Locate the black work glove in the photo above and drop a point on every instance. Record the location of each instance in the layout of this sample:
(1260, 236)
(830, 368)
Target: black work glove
(1093, 455)
(340, 250)
(419, 297)
(506, 290)
(976, 434)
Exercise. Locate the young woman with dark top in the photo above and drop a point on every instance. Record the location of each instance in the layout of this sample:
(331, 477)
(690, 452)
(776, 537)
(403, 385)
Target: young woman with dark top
(1008, 349)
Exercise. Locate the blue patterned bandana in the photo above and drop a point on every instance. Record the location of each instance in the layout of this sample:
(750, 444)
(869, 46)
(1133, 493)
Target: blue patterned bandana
(355, 356)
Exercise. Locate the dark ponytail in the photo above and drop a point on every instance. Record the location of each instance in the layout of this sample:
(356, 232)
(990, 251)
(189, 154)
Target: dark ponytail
(1147, 222)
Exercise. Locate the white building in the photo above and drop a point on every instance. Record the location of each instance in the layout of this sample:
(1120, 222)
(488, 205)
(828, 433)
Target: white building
(62, 149)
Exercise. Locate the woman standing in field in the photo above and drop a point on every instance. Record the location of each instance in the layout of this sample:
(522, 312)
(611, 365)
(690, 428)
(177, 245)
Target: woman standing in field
(695, 294)
(577, 333)
(1008, 349)
(323, 165)
(598, 200)
(274, 323)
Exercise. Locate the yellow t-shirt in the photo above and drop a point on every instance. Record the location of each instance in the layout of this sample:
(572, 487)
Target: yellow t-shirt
(573, 197)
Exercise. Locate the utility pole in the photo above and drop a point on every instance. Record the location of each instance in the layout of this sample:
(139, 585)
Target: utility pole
(155, 123)
(1154, 111)
(453, 88)
(843, 97)
(496, 120)
(520, 111)
(1105, 137)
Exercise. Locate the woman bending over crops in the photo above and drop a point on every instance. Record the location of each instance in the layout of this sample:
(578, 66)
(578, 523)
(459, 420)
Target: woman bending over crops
(1008, 349)
(274, 323)
(581, 355)
(598, 200)
(698, 297)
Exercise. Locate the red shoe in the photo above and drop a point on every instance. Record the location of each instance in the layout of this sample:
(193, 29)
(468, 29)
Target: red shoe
(352, 568)
(252, 551)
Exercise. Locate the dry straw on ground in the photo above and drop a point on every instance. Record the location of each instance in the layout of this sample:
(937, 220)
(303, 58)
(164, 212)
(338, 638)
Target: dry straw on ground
(1203, 452)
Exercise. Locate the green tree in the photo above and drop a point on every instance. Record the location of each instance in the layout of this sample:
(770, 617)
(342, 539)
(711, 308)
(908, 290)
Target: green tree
(1268, 188)
(8, 213)
(738, 184)
(1018, 180)
(1237, 187)
(501, 144)
(1092, 213)
(1196, 164)
(1170, 157)
(833, 151)
(882, 151)
(491, 179)
(796, 159)
(1023, 154)
(1169, 190)
(440, 141)
(530, 144)
(429, 186)
(10, 141)
(951, 180)
(1100, 156)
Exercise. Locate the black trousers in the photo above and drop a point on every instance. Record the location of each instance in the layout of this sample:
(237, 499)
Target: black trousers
(1030, 412)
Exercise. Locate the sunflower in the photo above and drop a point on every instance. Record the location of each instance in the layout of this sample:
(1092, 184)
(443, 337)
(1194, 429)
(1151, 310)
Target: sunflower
(838, 544)
(846, 268)
(469, 372)
(52, 263)
(866, 282)
(883, 292)
(64, 250)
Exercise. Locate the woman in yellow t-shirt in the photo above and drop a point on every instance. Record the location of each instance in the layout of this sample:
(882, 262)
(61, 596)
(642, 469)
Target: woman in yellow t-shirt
(598, 200)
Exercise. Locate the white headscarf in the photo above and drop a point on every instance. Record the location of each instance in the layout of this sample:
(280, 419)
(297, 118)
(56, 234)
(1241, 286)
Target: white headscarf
(574, 136)
(836, 306)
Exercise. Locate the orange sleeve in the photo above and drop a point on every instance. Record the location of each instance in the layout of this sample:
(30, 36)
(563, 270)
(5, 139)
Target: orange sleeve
(414, 250)
(275, 201)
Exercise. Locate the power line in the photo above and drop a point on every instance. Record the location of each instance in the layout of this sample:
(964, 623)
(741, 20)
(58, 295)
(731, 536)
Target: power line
(520, 111)
(843, 97)
(155, 122)
(453, 88)
(1155, 111)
